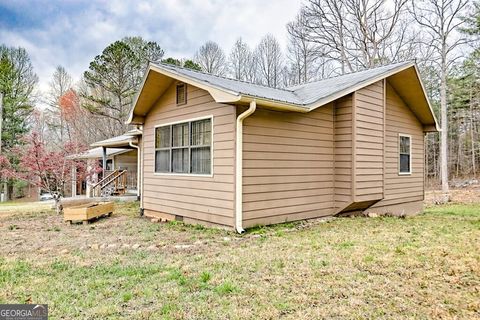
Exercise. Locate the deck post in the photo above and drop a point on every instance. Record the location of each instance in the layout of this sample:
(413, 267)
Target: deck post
(104, 163)
(74, 181)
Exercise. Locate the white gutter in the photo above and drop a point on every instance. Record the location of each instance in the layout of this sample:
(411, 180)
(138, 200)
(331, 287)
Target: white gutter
(138, 166)
(239, 167)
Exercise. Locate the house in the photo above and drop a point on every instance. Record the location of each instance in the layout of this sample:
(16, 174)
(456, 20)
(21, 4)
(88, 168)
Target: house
(119, 159)
(225, 152)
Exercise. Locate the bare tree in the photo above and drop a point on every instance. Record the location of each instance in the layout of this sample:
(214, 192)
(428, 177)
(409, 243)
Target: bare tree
(300, 51)
(440, 20)
(270, 61)
(324, 21)
(374, 29)
(211, 58)
(242, 62)
(356, 34)
(61, 82)
(251, 69)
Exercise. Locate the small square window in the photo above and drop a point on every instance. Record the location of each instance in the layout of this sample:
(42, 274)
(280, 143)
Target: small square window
(181, 93)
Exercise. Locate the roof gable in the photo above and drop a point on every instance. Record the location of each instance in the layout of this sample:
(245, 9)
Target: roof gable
(301, 98)
(313, 92)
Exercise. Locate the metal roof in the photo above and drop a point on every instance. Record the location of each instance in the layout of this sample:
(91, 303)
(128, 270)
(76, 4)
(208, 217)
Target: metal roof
(118, 141)
(300, 98)
(235, 86)
(317, 90)
(300, 95)
(97, 153)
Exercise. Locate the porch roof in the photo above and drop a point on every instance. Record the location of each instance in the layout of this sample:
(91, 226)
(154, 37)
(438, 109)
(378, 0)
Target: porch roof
(97, 153)
(122, 141)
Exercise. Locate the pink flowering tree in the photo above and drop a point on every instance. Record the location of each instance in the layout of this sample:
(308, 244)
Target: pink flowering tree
(48, 170)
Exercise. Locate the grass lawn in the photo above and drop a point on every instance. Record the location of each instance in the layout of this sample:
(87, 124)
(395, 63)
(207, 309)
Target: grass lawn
(20, 207)
(126, 267)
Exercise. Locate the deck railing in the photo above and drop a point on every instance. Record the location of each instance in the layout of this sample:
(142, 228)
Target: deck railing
(131, 178)
(115, 182)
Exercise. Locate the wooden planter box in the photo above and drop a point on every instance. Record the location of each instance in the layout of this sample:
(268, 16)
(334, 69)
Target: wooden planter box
(87, 212)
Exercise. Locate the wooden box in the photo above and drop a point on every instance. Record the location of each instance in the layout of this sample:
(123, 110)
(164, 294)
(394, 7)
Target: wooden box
(87, 212)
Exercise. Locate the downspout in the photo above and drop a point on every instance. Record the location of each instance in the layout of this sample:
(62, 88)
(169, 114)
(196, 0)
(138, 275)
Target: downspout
(138, 167)
(239, 167)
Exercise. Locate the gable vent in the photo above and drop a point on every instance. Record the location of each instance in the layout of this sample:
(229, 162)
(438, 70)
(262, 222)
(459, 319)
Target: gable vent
(181, 93)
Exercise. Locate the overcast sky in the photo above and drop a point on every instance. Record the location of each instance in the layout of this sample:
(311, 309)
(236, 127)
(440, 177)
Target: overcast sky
(72, 32)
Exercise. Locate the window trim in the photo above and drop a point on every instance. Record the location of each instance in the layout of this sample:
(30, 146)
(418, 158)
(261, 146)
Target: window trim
(410, 153)
(178, 173)
(184, 94)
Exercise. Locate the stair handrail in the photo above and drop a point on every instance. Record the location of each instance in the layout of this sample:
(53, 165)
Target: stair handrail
(105, 178)
(120, 173)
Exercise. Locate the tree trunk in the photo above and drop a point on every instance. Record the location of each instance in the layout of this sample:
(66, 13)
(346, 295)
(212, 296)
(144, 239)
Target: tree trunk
(435, 158)
(6, 191)
(459, 153)
(472, 137)
(58, 205)
(444, 134)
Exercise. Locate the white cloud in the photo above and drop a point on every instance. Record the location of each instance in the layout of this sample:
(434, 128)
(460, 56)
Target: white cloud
(72, 37)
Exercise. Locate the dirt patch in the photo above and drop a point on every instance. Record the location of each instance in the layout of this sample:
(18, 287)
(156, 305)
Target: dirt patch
(470, 194)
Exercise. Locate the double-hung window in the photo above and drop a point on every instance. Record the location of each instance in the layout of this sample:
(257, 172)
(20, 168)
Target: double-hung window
(405, 154)
(184, 147)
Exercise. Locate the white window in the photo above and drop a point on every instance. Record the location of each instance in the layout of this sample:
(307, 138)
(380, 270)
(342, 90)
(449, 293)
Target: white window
(184, 147)
(405, 154)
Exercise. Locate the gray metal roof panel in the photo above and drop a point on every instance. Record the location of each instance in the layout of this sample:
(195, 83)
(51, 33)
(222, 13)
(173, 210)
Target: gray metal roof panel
(314, 91)
(301, 95)
(237, 86)
(118, 139)
(97, 153)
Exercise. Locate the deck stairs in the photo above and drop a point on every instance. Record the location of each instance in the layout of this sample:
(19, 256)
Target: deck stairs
(113, 184)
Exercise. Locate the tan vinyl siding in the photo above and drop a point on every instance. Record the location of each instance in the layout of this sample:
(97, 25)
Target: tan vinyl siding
(205, 198)
(369, 141)
(343, 152)
(287, 166)
(126, 161)
(400, 119)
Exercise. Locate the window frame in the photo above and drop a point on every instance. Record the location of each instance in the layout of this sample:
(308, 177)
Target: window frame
(400, 135)
(171, 124)
(184, 93)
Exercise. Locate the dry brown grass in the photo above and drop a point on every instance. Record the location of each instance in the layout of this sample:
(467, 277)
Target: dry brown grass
(469, 194)
(426, 266)
(16, 208)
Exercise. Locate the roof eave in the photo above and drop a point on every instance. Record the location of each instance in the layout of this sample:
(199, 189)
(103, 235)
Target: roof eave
(220, 95)
(114, 144)
(134, 133)
(436, 126)
(131, 116)
(274, 104)
(431, 128)
(87, 156)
